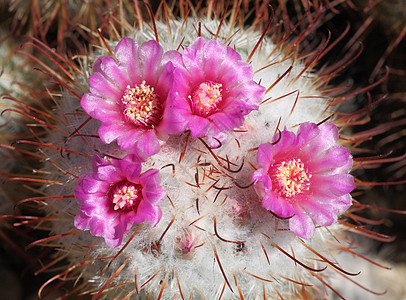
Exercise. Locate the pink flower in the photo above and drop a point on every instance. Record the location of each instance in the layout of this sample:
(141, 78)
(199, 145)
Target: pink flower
(115, 196)
(129, 96)
(213, 91)
(305, 177)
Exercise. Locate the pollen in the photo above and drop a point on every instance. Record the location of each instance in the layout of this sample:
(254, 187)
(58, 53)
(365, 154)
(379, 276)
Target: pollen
(290, 178)
(141, 105)
(206, 98)
(126, 195)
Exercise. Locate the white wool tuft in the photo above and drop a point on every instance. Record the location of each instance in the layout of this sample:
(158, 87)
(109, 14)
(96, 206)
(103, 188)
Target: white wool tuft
(215, 196)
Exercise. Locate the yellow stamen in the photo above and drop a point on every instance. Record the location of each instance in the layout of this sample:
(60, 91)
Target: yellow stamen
(141, 105)
(206, 98)
(126, 195)
(290, 178)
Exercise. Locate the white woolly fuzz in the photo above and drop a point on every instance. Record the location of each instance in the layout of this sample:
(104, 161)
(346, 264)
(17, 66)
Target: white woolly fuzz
(15, 72)
(210, 202)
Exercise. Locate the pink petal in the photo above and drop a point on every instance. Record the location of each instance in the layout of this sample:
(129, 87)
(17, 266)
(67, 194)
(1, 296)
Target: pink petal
(174, 120)
(326, 137)
(133, 172)
(224, 120)
(111, 131)
(98, 226)
(165, 81)
(236, 74)
(81, 221)
(335, 160)
(307, 132)
(113, 233)
(92, 203)
(265, 155)
(338, 184)
(148, 213)
(193, 59)
(89, 203)
(198, 126)
(150, 54)
(107, 66)
(278, 205)
(149, 143)
(114, 242)
(152, 189)
(130, 138)
(107, 115)
(341, 203)
(114, 238)
(215, 60)
(97, 161)
(109, 173)
(92, 104)
(324, 214)
(301, 225)
(262, 182)
(172, 56)
(126, 52)
(253, 93)
(285, 146)
(91, 184)
(145, 142)
(101, 87)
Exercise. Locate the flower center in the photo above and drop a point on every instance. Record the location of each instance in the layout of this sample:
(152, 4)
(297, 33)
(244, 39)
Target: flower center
(206, 98)
(126, 195)
(290, 177)
(141, 105)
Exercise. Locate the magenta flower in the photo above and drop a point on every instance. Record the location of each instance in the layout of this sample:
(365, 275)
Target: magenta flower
(213, 91)
(305, 177)
(115, 196)
(129, 96)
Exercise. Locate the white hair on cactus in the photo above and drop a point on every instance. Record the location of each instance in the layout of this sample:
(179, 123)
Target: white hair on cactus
(214, 239)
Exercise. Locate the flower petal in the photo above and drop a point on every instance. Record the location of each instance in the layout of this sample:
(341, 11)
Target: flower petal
(265, 155)
(148, 213)
(278, 205)
(337, 184)
(316, 141)
(143, 142)
(176, 114)
(198, 126)
(112, 131)
(301, 225)
(126, 52)
(109, 173)
(150, 54)
(99, 108)
(91, 184)
(101, 87)
(81, 221)
(335, 160)
(324, 214)
(107, 66)
(132, 170)
(152, 189)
